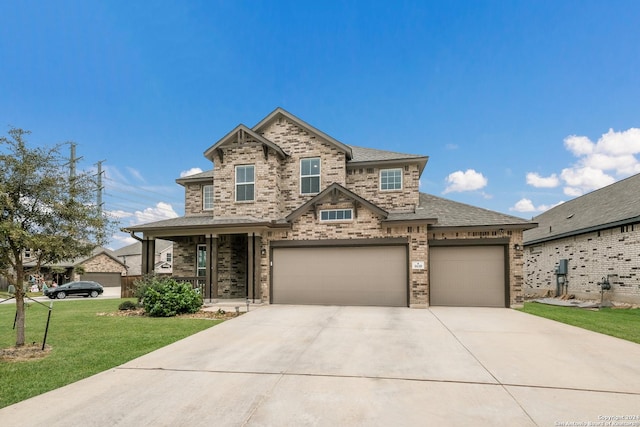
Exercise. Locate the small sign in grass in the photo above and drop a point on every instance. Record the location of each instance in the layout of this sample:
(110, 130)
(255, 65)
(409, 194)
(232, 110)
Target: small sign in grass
(617, 322)
(82, 343)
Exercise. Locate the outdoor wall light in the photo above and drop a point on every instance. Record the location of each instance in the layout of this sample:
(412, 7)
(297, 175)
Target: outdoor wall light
(517, 247)
(263, 251)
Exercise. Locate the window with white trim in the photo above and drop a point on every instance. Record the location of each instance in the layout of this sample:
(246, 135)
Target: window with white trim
(310, 176)
(207, 197)
(391, 179)
(336, 215)
(245, 183)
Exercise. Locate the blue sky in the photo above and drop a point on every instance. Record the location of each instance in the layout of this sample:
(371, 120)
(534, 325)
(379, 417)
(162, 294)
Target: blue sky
(519, 104)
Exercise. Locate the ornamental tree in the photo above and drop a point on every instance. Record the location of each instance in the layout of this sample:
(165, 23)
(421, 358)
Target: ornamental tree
(45, 209)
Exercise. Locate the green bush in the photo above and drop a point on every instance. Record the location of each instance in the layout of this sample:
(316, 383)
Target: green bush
(127, 305)
(166, 297)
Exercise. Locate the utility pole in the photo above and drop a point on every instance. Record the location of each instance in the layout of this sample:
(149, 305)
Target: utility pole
(100, 203)
(72, 168)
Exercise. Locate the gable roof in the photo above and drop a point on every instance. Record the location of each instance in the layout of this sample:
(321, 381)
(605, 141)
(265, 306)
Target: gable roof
(333, 190)
(364, 157)
(611, 206)
(455, 214)
(238, 133)
(280, 112)
(99, 250)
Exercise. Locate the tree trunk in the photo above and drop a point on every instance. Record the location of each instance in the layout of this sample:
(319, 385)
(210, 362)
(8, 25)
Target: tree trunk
(19, 306)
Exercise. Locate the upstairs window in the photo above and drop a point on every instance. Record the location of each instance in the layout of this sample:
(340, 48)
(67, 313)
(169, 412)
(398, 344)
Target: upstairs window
(391, 179)
(245, 183)
(310, 176)
(207, 197)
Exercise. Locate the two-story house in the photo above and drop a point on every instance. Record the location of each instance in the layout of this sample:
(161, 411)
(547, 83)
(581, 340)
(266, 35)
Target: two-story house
(290, 215)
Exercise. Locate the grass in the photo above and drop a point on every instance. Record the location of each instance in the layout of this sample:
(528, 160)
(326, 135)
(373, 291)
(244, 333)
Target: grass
(82, 343)
(620, 323)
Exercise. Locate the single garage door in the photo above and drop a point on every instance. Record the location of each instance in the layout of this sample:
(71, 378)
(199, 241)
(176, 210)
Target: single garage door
(364, 275)
(467, 276)
(105, 279)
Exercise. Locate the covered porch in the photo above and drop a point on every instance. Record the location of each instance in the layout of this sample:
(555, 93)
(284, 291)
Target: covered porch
(224, 261)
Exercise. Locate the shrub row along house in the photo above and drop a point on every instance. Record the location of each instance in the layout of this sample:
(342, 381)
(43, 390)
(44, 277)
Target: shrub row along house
(290, 215)
(589, 240)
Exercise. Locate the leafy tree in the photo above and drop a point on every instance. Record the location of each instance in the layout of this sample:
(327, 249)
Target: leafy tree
(45, 209)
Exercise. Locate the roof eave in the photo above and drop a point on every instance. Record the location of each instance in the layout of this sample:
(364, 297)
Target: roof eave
(583, 231)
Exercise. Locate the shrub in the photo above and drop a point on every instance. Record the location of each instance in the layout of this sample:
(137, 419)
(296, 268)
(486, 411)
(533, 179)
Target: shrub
(127, 305)
(166, 297)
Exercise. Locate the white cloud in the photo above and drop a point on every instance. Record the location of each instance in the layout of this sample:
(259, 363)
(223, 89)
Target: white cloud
(526, 205)
(582, 180)
(157, 213)
(579, 145)
(191, 171)
(451, 146)
(538, 181)
(598, 164)
(470, 180)
(523, 205)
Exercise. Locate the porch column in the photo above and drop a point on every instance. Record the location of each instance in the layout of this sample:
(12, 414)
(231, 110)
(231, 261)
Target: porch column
(148, 255)
(253, 263)
(211, 285)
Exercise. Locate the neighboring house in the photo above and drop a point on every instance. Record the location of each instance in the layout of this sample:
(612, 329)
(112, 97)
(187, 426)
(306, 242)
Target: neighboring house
(598, 234)
(290, 215)
(131, 256)
(101, 266)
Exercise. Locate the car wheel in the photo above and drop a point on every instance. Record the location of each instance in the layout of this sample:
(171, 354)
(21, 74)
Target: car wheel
(61, 295)
(94, 294)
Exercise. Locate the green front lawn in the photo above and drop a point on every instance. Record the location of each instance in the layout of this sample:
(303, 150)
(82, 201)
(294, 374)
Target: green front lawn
(621, 323)
(82, 342)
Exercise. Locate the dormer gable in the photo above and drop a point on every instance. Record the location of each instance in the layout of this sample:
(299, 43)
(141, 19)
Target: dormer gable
(334, 191)
(280, 113)
(242, 135)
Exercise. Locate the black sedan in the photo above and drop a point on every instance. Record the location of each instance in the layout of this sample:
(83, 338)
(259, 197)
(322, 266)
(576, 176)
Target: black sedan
(83, 288)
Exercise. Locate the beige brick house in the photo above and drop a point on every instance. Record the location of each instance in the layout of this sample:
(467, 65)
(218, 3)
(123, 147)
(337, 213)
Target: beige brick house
(585, 240)
(290, 215)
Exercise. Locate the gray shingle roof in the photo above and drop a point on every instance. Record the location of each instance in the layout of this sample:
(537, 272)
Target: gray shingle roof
(456, 214)
(610, 206)
(196, 177)
(196, 221)
(361, 154)
(136, 248)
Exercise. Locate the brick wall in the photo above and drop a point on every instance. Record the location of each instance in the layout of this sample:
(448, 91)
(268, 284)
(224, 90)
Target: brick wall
(591, 257)
(366, 183)
(103, 264)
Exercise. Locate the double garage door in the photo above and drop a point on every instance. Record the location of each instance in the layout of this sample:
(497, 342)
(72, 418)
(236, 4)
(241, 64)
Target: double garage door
(105, 279)
(468, 276)
(362, 275)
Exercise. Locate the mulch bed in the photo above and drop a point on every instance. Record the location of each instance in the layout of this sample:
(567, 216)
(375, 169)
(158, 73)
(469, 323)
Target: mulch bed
(24, 353)
(213, 315)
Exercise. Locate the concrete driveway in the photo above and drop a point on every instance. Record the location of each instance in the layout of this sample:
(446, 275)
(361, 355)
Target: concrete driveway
(313, 365)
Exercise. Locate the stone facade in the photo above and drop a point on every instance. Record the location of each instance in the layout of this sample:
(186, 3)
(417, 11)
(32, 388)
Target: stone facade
(103, 264)
(612, 253)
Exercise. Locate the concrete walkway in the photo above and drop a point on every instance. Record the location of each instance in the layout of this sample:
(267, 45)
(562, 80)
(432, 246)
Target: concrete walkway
(362, 366)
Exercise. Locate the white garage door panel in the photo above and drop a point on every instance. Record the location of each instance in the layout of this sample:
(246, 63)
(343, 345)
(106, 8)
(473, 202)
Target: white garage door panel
(470, 276)
(368, 275)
